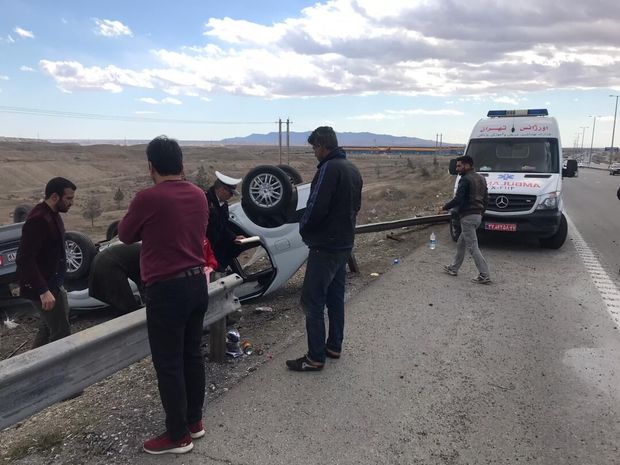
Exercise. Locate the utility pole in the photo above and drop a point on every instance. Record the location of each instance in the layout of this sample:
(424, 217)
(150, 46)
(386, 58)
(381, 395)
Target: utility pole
(288, 145)
(280, 138)
(613, 131)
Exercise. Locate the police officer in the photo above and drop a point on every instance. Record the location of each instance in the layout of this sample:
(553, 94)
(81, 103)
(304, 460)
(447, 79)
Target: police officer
(224, 241)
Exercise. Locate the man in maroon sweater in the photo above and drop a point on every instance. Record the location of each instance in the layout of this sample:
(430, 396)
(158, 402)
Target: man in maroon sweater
(41, 261)
(170, 219)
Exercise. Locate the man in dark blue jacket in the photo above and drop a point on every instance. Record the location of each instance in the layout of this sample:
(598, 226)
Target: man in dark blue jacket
(328, 229)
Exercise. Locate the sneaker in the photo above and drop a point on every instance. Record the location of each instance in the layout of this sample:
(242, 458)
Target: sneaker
(196, 430)
(303, 364)
(332, 354)
(481, 279)
(449, 270)
(162, 444)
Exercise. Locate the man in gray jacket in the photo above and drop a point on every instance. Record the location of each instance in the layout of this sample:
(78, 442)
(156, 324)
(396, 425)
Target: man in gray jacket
(471, 201)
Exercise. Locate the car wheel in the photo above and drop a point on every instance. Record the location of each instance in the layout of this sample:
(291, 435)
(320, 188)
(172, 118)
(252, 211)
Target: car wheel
(266, 190)
(21, 213)
(112, 230)
(618, 193)
(292, 173)
(557, 240)
(80, 252)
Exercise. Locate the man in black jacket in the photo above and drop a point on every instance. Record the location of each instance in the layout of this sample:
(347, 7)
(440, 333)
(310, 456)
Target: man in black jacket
(224, 241)
(471, 201)
(328, 229)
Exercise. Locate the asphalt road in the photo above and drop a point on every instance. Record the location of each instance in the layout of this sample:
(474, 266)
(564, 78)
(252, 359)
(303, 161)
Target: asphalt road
(593, 206)
(436, 370)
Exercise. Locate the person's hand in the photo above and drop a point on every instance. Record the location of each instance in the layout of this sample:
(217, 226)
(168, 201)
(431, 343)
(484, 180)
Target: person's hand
(441, 211)
(47, 301)
(238, 239)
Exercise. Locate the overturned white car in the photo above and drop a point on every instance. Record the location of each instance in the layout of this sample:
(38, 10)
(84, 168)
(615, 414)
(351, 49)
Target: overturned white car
(273, 201)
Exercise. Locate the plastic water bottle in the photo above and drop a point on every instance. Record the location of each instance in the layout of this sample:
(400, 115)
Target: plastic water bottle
(432, 243)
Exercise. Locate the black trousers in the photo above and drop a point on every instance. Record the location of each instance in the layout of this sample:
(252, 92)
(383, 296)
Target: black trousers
(54, 323)
(175, 311)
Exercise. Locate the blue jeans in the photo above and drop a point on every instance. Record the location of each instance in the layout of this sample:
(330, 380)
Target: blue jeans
(174, 313)
(324, 285)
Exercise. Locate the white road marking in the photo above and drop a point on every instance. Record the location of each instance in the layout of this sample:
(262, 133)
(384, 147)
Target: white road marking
(606, 287)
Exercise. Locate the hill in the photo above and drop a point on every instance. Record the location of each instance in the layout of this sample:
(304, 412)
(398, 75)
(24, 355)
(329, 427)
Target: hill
(364, 139)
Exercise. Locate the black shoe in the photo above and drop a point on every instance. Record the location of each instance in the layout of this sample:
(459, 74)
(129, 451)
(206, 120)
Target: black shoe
(332, 354)
(303, 364)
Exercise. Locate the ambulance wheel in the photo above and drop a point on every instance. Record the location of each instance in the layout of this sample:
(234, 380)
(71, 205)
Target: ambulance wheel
(455, 229)
(557, 240)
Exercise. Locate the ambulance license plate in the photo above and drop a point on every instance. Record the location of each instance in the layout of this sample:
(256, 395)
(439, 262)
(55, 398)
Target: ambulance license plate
(507, 227)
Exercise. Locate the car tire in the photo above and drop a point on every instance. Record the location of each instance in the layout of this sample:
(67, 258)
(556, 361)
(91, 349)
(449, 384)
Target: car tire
(112, 230)
(293, 174)
(618, 193)
(21, 213)
(557, 240)
(80, 252)
(266, 190)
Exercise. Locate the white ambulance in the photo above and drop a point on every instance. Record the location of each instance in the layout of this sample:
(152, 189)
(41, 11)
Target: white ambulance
(520, 154)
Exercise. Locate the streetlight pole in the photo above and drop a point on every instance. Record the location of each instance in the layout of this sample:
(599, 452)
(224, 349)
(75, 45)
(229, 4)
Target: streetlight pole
(613, 131)
(583, 135)
(592, 140)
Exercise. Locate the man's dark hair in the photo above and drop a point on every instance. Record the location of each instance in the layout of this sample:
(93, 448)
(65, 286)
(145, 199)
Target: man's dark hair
(165, 156)
(323, 136)
(466, 159)
(58, 186)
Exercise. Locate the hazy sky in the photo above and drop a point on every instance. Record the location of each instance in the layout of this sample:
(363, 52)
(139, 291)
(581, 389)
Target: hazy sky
(217, 69)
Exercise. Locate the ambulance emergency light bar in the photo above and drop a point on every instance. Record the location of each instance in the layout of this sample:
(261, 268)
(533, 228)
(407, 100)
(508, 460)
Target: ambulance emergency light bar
(530, 112)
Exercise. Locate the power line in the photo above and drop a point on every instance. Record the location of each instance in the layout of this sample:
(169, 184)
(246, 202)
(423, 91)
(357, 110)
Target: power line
(95, 116)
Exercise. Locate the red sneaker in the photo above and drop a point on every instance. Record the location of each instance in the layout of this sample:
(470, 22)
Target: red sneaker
(196, 430)
(162, 444)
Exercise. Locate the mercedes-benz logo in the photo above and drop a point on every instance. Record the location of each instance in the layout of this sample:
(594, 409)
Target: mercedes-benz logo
(501, 201)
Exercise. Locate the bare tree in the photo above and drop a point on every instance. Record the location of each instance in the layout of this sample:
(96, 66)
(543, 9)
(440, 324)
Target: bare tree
(202, 180)
(92, 209)
(119, 197)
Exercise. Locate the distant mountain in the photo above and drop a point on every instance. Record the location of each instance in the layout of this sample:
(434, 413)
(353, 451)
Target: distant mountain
(357, 139)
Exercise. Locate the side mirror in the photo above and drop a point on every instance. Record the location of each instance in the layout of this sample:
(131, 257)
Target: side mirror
(452, 167)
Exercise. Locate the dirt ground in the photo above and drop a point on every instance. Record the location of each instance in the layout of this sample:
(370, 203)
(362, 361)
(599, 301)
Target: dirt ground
(107, 423)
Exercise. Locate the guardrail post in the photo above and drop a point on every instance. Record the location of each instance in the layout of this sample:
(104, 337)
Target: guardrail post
(353, 266)
(217, 341)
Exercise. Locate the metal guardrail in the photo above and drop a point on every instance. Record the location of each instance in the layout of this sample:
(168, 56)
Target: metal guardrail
(40, 377)
(387, 225)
